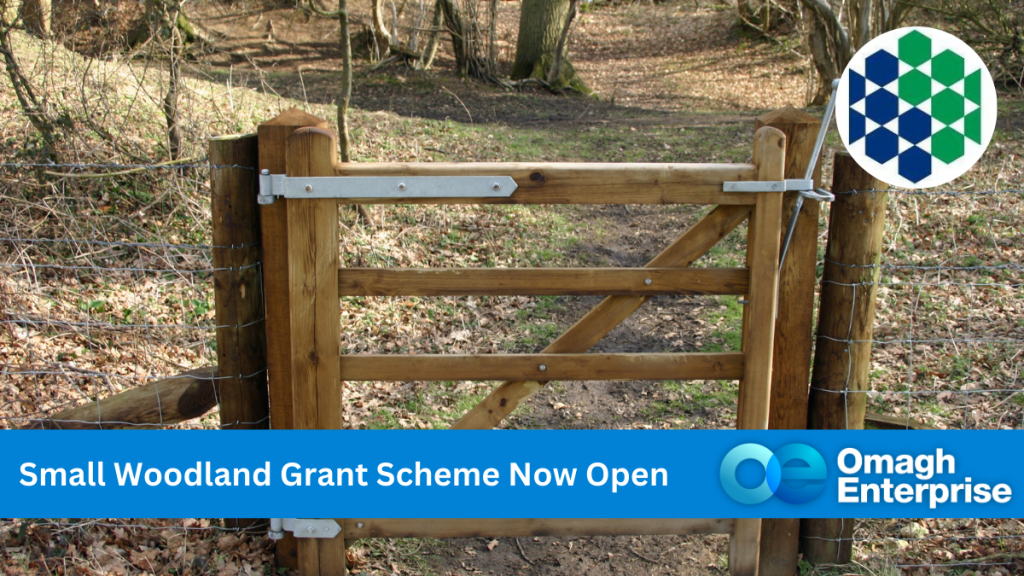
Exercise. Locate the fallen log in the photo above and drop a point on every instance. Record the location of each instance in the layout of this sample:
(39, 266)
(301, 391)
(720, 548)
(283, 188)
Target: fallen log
(169, 401)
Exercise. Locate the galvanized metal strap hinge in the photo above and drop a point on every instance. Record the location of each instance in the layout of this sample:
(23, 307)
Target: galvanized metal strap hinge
(273, 186)
(304, 528)
(768, 186)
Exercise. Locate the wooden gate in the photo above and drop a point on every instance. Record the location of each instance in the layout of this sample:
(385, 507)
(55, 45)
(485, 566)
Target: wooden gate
(303, 283)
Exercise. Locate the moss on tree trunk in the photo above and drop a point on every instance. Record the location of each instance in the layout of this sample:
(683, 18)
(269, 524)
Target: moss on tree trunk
(540, 26)
(156, 23)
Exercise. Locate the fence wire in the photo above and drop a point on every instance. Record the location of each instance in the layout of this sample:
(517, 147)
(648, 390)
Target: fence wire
(946, 353)
(106, 286)
(106, 307)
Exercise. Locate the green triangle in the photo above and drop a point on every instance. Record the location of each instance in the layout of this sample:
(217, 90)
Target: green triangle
(972, 126)
(972, 87)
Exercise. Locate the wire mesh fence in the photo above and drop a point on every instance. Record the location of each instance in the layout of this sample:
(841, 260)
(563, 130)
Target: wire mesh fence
(93, 303)
(946, 353)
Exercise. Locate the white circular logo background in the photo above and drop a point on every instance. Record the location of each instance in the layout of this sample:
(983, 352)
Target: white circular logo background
(916, 107)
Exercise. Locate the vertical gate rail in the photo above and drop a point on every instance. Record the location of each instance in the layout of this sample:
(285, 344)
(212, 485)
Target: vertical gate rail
(303, 282)
(794, 323)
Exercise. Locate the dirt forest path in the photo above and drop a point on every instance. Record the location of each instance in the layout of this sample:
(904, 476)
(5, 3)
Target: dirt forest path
(652, 63)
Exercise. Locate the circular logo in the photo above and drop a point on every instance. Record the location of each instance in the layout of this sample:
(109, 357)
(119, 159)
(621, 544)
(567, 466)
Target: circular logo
(783, 478)
(916, 107)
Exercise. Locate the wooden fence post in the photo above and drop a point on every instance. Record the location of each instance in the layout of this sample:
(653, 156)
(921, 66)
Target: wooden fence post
(272, 137)
(759, 327)
(794, 325)
(238, 289)
(315, 318)
(845, 327)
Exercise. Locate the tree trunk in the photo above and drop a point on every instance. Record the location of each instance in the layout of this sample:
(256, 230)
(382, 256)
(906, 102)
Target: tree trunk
(23, 88)
(176, 50)
(540, 26)
(464, 40)
(860, 22)
(36, 15)
(380, 29)
(555, 72)
(830, 45)
(345, 93)
(434, 40)
(345, 97)
(492, 36)
(156, 23)
(824, 65)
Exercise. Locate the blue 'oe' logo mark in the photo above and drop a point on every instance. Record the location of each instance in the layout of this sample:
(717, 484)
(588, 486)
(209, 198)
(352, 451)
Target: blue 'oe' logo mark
(791, 483)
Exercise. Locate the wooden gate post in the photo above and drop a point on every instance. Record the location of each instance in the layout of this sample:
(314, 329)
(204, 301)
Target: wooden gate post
(272, 137)
(315, 318)
(238, 289)
(846, 322)
(794, 324)
(763, 237)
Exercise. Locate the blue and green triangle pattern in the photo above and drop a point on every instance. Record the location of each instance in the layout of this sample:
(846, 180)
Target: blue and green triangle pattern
(914, 103)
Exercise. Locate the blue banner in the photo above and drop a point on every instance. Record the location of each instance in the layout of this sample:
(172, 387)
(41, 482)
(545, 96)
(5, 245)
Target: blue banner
(510, 474)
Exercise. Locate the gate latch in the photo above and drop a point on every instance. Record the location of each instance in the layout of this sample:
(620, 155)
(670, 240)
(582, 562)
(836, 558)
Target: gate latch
(273, 186)
(304, 528)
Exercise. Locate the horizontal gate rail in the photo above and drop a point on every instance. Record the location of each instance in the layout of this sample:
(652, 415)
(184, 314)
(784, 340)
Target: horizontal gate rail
(541, 281)
(521, 527)
(574, 183)
(654, 366)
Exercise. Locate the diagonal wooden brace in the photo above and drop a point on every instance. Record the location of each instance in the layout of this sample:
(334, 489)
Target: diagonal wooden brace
(604, 317)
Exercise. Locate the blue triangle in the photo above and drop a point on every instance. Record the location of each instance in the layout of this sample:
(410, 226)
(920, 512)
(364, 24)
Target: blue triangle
(857, 126)
(857, 87)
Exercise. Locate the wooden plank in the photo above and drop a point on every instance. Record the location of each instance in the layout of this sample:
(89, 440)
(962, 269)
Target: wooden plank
(315, 321)
(576, 183)
(887, 422)
(411, 367)
(540, 281)
(168, 401)
(604, 317)
(521, 527)
(272, 135)
(237, 286)
(759, 326)
(842, 357)
(744, 547)
(791, 363)
(763, 261)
